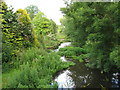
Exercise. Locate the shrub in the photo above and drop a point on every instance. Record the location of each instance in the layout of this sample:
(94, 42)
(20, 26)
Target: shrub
(37, 70)
(31, 54)
(114, 56)
(76, 53)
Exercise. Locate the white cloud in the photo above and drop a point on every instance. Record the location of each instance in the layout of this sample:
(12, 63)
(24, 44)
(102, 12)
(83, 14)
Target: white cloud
(51, 8)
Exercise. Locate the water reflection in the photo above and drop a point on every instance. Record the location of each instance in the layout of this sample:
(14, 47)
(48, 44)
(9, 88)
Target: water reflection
(115, 80)
(79, 76)
(64, 80)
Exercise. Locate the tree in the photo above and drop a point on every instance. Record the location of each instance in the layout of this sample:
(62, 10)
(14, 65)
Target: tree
(25, 27)
(16, 32)
(53, 27)
(76, 22)
(41, 26)
(32, 10)
(11, 37)
(94, 26)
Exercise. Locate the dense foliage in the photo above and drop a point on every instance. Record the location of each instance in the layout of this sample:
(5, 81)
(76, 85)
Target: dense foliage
(25, 29)
(28, 37)
(95, 27)
(11, 38)
(75, 53)
(26, 63)
(36, 69)
(43, 27)
(19, 32)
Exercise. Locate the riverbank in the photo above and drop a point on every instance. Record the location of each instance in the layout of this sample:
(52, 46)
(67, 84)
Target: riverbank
(80, 76)
(36, 69)
(61, 70)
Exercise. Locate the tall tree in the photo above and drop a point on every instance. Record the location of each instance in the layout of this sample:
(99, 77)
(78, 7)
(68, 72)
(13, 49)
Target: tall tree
(42, 26)
(53, 27)
(94, 26)
(25, 27)
(11, 37)
(32, 10)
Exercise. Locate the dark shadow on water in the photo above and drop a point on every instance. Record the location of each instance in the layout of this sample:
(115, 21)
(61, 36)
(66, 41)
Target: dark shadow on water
(80, 76)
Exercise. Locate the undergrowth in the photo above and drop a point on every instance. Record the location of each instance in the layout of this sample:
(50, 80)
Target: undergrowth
(75, 53)
(36, 68)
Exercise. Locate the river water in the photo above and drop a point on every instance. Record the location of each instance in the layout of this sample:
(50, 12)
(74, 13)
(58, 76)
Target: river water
(80, 76)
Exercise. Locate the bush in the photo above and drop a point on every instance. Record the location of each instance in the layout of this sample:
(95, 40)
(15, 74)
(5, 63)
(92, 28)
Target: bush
(73, 52)
(114, 56)
(7, 53)
(37, 69)
(51, 42)
(31, 54)
(27, 77)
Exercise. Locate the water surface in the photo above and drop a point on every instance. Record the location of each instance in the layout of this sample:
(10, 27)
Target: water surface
(80, 76)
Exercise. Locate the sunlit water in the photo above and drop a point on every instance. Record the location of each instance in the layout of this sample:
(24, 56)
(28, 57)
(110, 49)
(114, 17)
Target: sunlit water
(63, 45)
(79, 76)
(64, 80)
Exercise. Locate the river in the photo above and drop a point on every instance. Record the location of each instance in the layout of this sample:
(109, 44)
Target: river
(80, 76)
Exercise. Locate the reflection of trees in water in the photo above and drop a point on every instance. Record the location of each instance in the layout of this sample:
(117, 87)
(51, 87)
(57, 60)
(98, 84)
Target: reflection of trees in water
(85, 77)
(80, 80)
(69, 82)
(81, 76)
(64, 80)
(115, 80)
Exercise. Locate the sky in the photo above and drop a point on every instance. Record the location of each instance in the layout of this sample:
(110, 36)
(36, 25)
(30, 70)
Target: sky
(51, 8)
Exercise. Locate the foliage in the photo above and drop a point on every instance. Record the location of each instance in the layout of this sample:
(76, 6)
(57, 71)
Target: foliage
(22, 41)
(25, 27)
(11, 38)
(53, 27)
(75, 53)
(19, 34)
(87, 25)
(6, 77)
(70, 51)
(37, 71)
(29, 56)
(43, 26)
(114, 56)
(51, 42)
(32, 10)
(16, 32)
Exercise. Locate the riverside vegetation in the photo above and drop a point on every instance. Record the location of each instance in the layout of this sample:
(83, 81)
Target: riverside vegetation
(94, 27)
(29, 37)
(27, 61)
